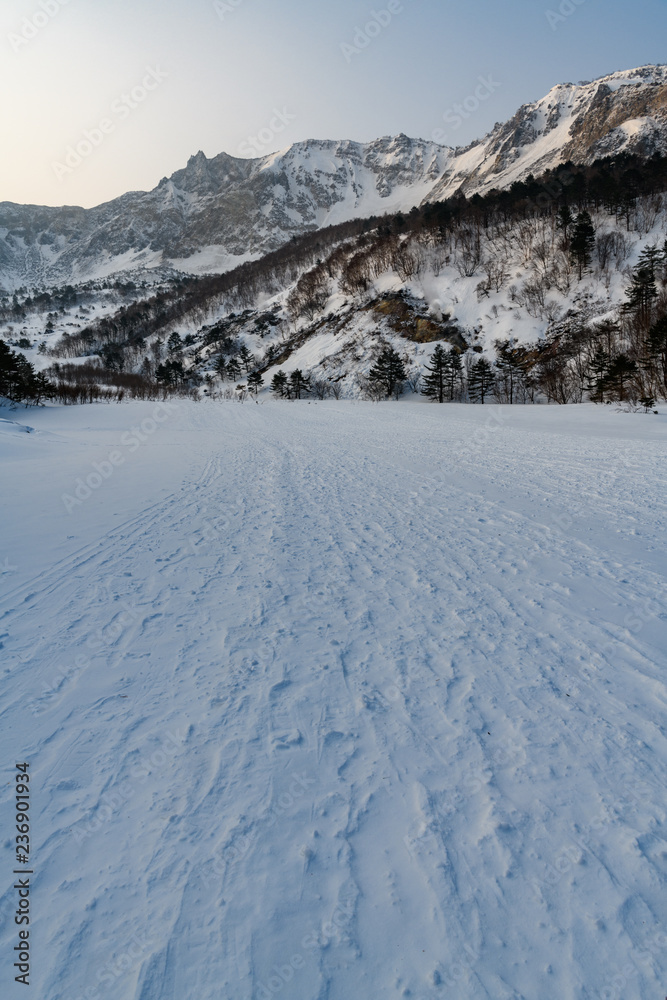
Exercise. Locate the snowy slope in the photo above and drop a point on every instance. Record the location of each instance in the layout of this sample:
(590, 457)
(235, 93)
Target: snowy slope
(369, 701)
(621, 112)
(342, 341)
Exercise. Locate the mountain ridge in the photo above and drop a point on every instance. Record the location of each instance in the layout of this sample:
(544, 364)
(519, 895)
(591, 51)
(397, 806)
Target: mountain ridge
(217, 212)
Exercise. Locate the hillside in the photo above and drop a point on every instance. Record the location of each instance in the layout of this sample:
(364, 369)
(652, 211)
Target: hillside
(623, 112)
(497, 277)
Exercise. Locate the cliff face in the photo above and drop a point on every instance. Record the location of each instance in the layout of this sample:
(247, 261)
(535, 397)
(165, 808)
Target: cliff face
(622, 112)
(215, 211)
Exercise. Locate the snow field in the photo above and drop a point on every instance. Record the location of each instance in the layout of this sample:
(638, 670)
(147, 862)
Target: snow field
(339, 700)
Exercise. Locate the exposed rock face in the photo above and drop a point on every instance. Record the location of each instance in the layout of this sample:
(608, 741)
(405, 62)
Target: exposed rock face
(206, 216)
(214, 212)
(622, 112)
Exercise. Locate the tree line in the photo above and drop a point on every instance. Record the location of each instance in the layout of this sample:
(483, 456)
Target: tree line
(545, 225)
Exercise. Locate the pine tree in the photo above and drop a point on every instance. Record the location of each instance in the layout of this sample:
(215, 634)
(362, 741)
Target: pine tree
(656, 350)
(272, 352)
(435, 379)
(170, 373)
(19, 381)
(174, 344)
(643, 291)
(621, 371)
(565, 221)
(598, 369)
(481, 380)
(246, 358)
(299, 384)
(582, 243)
(650, 258)
(279, 384)
(220, 367)
(389, 372)
(112, 358)
(512, 366)
(454, 374)
(255, 382)
(233, 370)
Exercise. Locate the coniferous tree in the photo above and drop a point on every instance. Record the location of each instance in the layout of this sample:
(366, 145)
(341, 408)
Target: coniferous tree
(512, 367)
(279, 384)
(650, 258)
(389, 372)
(220, 367)
(656, 351)
(598, 370)
(641, 294)
(643, 291)
(481, 380)
(112, 357)
(255, 382)
(435, 378)
(621, 372)
(174, 344)
(170, 373)
(271, 352)
(454, 373)
(246, 358)
(233, 370)
(299, 384)
(582, 244)
(565, 221)
(19, 381)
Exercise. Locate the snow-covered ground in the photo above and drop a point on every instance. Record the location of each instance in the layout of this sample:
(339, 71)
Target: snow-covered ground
(337, 700)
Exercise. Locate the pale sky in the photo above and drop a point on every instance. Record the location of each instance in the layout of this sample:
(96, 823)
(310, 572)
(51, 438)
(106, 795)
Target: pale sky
(167, 78)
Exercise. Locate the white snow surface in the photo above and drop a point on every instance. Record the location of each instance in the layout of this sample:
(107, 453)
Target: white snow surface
(337, 700)
(476, 168)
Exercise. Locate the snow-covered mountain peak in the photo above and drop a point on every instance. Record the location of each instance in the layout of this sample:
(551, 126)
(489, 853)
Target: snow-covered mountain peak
(217, 211)
(621, 112)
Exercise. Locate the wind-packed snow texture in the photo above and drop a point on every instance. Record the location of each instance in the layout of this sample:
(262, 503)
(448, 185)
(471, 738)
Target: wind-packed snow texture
(337, 701)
